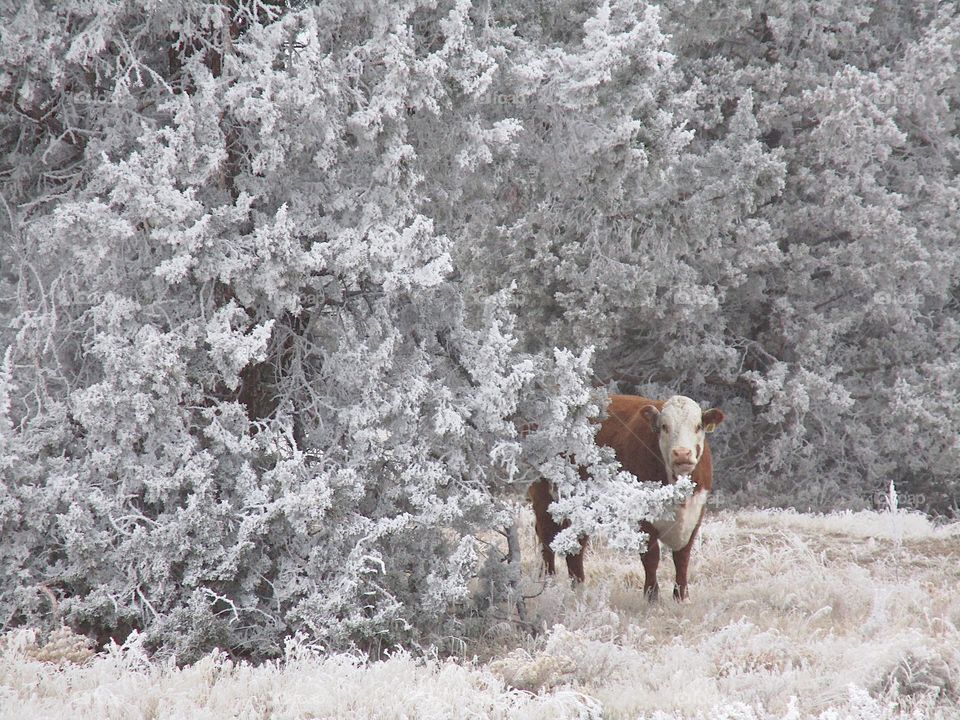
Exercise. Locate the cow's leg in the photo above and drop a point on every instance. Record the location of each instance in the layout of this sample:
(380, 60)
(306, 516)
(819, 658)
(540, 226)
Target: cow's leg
(681, 558)
(575, 562)
(681, 561)
(651, 559)
(547, 527)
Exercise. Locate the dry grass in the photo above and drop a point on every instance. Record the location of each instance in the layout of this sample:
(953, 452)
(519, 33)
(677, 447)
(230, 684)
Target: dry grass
(788, 612)
(793, 616)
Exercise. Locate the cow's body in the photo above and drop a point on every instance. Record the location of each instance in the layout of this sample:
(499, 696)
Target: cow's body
(638, 430)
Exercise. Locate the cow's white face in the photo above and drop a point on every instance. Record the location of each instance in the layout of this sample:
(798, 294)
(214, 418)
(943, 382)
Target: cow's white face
(680, 426)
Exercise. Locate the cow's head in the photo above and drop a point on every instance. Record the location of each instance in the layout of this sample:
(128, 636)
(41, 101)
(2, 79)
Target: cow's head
(680, 426)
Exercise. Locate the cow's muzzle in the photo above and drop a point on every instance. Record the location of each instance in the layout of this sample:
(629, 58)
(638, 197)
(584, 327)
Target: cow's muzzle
(683, 461)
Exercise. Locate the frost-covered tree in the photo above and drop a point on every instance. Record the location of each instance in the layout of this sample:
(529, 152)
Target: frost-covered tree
(256, 379)
(845, 317)
(795, 257)
(763, 215)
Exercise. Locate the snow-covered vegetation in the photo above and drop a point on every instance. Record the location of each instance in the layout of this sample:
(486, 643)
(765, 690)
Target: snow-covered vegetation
(296, 298)
(845, 616)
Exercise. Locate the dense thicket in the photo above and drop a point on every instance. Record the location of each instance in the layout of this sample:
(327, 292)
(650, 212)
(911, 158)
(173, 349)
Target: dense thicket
(833, 285)
(284, 286)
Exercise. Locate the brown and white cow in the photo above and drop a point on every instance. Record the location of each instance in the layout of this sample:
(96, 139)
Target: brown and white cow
(657, 441)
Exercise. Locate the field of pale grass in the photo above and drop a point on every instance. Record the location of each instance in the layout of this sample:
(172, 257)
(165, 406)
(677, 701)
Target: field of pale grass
(792, 616)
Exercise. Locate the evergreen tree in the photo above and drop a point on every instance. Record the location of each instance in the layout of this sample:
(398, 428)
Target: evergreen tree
(254, 382)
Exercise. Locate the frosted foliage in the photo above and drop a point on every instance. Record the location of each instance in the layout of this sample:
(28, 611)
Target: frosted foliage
(806, 245)
(255, 380)
(296, 299)
(63, 647)
(847, 616)
(304, 682)
(762, 213)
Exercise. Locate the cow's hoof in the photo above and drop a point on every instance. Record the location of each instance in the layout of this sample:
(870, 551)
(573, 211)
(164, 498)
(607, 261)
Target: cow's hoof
(681, 596)
(652, 594)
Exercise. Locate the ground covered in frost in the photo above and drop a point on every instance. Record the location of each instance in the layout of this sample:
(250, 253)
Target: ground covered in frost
(792, 616)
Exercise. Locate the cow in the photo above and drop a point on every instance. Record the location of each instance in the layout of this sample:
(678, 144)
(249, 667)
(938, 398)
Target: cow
(657, 441)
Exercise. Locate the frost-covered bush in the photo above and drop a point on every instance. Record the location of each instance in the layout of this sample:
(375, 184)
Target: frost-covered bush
(853, 314)
(762, 214)
(255, 380)
(805, 268)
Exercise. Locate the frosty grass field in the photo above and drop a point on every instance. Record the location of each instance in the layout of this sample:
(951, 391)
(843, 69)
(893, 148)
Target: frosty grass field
(793, 616)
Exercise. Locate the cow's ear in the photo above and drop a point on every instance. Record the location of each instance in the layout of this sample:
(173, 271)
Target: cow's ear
(712, 418)
(652, 415)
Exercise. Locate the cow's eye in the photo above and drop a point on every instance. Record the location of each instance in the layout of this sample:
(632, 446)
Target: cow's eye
(664, 428)
(699, 427)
